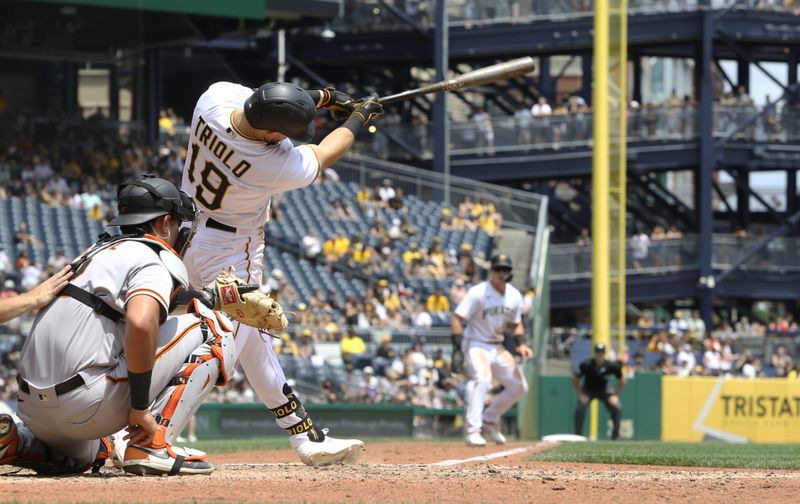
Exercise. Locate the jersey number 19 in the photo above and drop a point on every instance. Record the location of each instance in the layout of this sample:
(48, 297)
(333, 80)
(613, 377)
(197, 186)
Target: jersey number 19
(208, 194)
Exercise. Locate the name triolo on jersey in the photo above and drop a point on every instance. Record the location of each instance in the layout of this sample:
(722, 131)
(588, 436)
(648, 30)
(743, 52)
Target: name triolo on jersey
(205, 135)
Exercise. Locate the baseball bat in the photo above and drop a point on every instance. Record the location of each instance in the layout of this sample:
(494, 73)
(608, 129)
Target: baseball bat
(493, 73)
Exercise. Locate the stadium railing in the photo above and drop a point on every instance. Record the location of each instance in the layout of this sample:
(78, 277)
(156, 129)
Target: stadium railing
(574, 131)
(780, 255)
(572, 262)
(520, 209)
(392, 15)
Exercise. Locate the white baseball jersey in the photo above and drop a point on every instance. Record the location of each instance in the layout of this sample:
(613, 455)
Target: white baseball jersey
(71, 337)
(232, 177)
(489, 313)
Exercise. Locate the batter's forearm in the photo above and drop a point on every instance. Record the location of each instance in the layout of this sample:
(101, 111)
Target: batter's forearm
(334, 146)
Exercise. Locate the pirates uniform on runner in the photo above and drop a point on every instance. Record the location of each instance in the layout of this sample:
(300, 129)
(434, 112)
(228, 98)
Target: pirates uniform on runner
(490, 309)
(239, 156)
(75, 379)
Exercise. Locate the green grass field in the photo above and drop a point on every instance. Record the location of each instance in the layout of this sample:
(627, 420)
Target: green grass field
(676, 454)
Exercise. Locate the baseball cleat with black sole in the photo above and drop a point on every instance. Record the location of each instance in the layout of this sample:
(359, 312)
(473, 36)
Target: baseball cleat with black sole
(169, 460)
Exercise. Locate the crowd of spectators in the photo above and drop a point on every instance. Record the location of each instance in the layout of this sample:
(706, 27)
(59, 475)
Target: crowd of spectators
(388, 302)
(683, 346)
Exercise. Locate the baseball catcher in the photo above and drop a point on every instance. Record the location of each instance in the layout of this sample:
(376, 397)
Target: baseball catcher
(105, 354)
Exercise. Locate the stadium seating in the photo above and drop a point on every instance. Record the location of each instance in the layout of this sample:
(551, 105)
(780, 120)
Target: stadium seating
(72, 230)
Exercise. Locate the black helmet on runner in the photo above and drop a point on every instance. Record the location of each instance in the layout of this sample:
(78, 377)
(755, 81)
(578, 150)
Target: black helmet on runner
(282, 107)
(147, 197)
(503, 262)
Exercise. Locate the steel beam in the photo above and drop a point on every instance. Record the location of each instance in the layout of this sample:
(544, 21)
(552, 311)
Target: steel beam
(441, 122)
(705, 212)
(724, 75)
(789, 224)
(402, 16)
(545, 81)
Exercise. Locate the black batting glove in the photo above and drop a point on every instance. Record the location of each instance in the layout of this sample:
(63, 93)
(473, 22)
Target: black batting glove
(339, 103)
(368, 110)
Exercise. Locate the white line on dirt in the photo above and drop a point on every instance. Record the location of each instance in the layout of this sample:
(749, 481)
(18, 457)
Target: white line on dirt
(443, 463)
(482, 458)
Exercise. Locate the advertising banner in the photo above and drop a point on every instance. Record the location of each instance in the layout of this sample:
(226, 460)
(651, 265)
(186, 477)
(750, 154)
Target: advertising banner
(736, 410)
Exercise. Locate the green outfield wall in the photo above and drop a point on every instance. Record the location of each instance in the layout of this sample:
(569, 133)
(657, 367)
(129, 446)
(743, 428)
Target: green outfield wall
(221, 420)
(641, 408)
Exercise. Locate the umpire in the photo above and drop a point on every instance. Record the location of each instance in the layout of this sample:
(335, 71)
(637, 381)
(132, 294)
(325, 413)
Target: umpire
(595, 372)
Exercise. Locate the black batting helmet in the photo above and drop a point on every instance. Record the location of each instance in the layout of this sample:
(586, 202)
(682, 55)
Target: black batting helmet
(502, 262)
(282, 107)
(145, 198)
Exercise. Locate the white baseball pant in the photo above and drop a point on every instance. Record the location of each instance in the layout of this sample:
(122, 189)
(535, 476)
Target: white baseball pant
(485, 361)
(213, 250)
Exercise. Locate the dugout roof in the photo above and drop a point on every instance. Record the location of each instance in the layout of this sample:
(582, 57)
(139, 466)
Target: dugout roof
(97, 30)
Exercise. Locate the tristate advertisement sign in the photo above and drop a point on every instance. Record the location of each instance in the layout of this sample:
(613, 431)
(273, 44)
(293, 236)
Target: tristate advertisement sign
(730, 409)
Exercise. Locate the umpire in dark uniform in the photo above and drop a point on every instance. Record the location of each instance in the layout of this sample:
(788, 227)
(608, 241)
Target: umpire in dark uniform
(596, 372)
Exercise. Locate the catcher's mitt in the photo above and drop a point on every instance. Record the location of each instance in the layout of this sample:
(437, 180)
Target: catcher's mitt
(246, 304)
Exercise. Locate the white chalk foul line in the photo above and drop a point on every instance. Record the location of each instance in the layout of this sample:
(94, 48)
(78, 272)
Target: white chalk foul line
(482, 458)
(443, 463)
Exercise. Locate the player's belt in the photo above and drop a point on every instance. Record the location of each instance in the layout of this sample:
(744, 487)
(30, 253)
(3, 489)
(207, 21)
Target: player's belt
(61, 389)
(211, 223)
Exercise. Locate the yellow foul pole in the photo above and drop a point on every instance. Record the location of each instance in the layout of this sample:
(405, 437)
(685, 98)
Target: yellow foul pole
(601, 320)
(618, 100)
(609, 101)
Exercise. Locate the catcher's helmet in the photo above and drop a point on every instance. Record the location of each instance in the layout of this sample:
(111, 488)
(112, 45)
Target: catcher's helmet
(282, 107)
(147, 197)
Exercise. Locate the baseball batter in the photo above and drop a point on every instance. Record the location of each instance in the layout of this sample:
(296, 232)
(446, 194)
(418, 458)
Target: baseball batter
(105, 354)
(490, 310)
(239, 156)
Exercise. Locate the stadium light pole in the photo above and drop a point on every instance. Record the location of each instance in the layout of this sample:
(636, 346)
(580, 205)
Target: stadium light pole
(441, 123)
